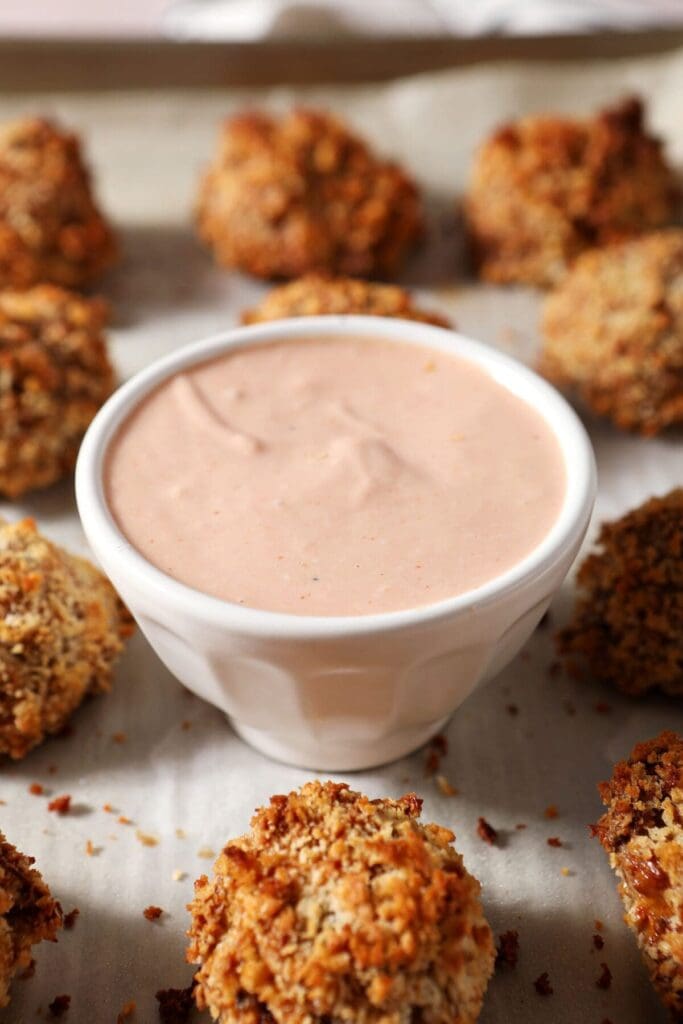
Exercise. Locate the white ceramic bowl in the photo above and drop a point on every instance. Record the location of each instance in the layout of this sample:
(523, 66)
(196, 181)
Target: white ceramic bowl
(339, 693)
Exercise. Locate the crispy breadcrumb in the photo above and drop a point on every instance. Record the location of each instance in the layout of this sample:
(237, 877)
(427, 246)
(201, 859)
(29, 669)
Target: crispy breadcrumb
(613, 332)
(642, 831)
(544, 189)
(337, 908)
(318, 295)
(54, 375)
(28, 914)
(285, 196)
(628, 621)
(62, 627)
(50, 226)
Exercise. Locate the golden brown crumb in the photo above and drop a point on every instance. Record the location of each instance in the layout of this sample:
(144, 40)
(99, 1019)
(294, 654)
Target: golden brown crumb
(551, 812)
(28, 914)
(62, 627)
(319, 295)
(445, 786)
(371, 912)
(54, 375)
(60, 804)
(544, 189)
(642, 832)
(50, 226)
(119, 737)
(486, 832)
(35, 789)
(206, 853)
(146, 839)
(286, 196)
(152, 913)
(613, 332)
(627, 625)
(126, 1011)
(123, 820)
(90, 848)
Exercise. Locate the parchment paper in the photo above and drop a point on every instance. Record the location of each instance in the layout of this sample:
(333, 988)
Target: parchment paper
(176, 764)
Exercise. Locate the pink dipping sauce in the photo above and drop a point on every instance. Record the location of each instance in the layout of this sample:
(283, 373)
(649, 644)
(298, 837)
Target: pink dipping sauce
(334, 476)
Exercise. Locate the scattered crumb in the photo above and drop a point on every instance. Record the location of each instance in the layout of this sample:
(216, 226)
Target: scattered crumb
(605, 979)
(432, 762)
(52, 769)
(180, 833)
(60, 804)
(108, 809)
(512, 709)
(187, 724)
(554, 841)
(206, 852)
(566, 872)
(602, 707)
(152, 913)
(440, 743)
(126, 1011)
(145, 838)
(70, 918)
(521, 826)
(598, 924)
(598, 941)
(35, 789)
(91, 849)
(178, 875)
(551, 812)
(507, 952)
(59, 1006)
(123, 820)
(119, 737)
(542, 985)
(175, 1004)
(486, 832)
(446, 787)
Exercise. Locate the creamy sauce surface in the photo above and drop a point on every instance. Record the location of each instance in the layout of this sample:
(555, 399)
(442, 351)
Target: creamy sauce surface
(334, 476)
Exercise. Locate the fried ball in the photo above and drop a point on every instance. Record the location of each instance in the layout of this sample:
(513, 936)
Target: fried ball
(54, 376)
(301, 193)
(317, 295)
(642, 831)
(543, 189)
(627, 626)
(28, 914)
(62, 627)
(613, 332)
(339, 908)
(50, 226)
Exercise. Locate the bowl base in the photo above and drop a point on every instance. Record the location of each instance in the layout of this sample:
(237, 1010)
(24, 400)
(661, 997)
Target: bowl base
(339, 755)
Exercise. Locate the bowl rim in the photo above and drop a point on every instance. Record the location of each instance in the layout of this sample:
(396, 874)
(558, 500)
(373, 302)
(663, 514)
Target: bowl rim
(104, 534)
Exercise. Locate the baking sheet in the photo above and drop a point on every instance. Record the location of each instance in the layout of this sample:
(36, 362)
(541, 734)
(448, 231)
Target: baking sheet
(169, 762)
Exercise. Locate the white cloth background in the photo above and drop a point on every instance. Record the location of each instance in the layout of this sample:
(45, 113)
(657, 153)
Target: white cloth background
(251, 20)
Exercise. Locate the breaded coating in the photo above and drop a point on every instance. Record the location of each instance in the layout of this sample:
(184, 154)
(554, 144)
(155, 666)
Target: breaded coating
(318, 295)
(613, 332)
(543, 189)
(299, 193)
(62, 627)
(642, 832)
(50, 226)
(28, 914)
(627, 626)
(54, 376)
(338, 909)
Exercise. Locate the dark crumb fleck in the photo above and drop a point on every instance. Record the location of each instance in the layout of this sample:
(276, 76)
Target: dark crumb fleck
(66, 732)
(525, 656)
(605, 979)
(59, 1006)
(605, 1020)
(152, 913)
(486, 832)
(512, 709)
(598, 941)
(551, 811)
(35, 789)
(507, 952)
(432, 762)
(602, 707)
(60, 804)
(554, 669)
(521, 826)
(554, 841)
(28, 971)
(440, 743)
(175, 1004)
(70, 918)
(542, 985)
